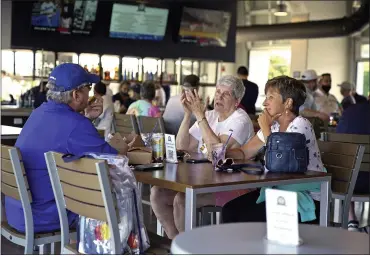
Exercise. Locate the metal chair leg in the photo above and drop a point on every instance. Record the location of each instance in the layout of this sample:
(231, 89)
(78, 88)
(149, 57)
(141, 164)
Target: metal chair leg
(42, 249)
(52, 248)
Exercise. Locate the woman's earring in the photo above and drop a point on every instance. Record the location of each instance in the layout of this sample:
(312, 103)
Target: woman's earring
(286, 112)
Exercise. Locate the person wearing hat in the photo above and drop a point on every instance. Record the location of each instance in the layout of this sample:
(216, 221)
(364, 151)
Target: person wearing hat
(174, 112)
(57, 125)
(309, 108)
(134, 92)
(346, 89)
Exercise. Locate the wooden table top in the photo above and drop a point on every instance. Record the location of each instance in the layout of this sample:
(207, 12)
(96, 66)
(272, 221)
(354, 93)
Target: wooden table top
(180, 176)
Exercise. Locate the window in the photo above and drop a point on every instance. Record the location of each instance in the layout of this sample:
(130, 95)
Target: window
(24, 63)
(7, 61)
(268, 63)
(110, 66)
(90, 62)
(131, 68)
(44, 63)
(363, 78)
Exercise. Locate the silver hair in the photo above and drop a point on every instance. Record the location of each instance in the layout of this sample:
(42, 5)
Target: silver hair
(235, 83)
(60, 97)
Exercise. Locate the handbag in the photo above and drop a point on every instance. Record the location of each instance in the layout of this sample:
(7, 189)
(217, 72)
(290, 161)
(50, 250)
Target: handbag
(287, 152)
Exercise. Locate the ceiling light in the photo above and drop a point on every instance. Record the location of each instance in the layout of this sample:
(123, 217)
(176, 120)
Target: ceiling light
(281, 10)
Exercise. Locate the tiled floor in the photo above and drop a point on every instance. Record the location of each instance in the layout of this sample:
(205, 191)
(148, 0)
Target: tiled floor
(150, 223)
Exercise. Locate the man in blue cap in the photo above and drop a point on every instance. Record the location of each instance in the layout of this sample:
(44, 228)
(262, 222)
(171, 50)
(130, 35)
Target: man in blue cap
(57, 125)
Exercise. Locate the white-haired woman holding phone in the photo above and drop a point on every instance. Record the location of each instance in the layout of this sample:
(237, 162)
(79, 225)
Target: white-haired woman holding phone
(210, 128)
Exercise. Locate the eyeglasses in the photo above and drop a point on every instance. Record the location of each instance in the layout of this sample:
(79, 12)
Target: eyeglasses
(225, 94)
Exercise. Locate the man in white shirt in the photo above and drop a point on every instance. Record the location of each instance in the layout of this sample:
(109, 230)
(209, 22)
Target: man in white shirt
(309, 108)
(325, 101)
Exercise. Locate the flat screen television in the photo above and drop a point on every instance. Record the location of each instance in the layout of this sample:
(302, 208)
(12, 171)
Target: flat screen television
(138, 22)
(204, 27)
(64, 16)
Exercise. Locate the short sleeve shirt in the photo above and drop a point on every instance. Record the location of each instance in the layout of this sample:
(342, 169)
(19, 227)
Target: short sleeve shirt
(238, 121)
(51, 127)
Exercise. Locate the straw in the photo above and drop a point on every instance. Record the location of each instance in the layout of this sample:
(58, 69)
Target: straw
(227, 141)
(151, 133)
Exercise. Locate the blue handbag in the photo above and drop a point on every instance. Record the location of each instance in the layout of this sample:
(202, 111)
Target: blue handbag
(287, 152)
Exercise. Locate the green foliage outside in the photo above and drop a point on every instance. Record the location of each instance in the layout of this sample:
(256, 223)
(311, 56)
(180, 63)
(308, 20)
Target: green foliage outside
(278, 67)
(366, 79)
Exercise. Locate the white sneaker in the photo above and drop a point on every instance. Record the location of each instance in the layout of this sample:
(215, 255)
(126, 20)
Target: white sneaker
(353, 226)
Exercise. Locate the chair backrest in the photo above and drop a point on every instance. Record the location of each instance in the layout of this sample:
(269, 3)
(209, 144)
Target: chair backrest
(83, 187)
(125, 124)
(353, 139)
(14, 183)
(342, 161)
(147, 124)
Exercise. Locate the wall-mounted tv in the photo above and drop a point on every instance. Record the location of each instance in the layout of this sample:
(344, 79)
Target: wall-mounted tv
(64, 16)
(138, 22)
(204, 27)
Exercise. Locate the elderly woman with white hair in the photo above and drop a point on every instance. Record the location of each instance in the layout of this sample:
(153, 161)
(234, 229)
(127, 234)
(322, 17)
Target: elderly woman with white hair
(211, 127)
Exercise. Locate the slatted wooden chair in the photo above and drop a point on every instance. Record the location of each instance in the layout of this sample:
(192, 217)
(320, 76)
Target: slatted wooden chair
(83, 187)
(365, 164)
(343, 161)
(14, 184)
(125, 124)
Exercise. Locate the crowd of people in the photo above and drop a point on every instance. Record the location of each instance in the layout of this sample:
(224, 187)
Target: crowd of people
(69, 111)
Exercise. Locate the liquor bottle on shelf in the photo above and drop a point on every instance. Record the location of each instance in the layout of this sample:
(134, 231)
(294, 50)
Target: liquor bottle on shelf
(124, 75)
(116, 76)
(137, 76)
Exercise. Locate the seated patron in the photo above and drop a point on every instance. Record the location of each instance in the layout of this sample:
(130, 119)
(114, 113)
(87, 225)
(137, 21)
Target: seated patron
(145, 107)
(123, 97)
(56, 125)
(104, 121)
(325, 101)
(356, 120)
(211, 127)
(174, 112)
(284, 96)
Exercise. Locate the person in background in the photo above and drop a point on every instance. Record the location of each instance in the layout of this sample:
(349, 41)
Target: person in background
(325, 101)
(144, 106)
(309, 108)
(356, 120)
(160, 95)
(134, 92)
(346, 89)
(57, 125)
(104, 121)
(174, 112)
(211, 127)
(37, 93)
(251, 92)
(358, 98)
(284, 96)
(123, 97)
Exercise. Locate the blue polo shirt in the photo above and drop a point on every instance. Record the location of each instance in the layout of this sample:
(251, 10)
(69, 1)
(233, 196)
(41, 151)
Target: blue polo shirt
(51, 127)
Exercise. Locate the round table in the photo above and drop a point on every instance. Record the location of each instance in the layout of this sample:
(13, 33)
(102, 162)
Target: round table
(250, 238)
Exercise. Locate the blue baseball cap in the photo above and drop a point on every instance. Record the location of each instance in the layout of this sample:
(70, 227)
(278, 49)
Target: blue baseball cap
(69, 76)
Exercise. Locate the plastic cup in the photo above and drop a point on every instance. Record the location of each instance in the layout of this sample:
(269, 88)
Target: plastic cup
(217, 153)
